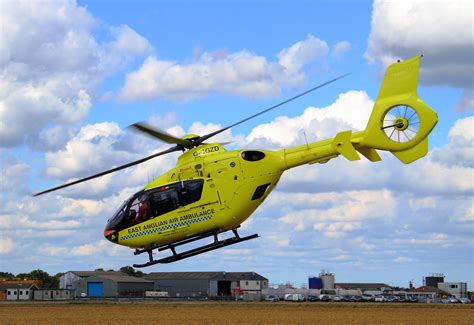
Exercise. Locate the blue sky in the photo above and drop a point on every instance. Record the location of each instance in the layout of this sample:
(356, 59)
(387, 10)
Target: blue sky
(76, 74)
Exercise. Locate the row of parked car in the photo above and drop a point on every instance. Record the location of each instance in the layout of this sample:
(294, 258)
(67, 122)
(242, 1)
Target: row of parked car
(323, 297)
(453, 300)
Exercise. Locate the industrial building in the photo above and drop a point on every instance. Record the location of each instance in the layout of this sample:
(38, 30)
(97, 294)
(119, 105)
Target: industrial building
(427, 293)
(433, 279)
(326, 281)
(17, 291)
(53, 294)
(208, 284)
(456, 289)
(105, 284)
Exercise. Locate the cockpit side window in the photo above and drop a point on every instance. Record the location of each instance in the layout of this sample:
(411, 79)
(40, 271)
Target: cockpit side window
(152, 203)
(163, 201)
(190, 192)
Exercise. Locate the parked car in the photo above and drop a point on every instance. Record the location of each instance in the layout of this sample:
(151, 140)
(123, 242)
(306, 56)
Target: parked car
(380, 299)
(312, 298)
(412, 299)
(272, 298)
(346, 298)
(368, 298)
(453, 300)
(356, 298)
(465, 300)
(338, 298)
(324, 297)
(294, 297)
(445, 301)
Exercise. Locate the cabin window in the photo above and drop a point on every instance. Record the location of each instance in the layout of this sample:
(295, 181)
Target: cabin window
(163, 201)
(152, 203)
(260, 191)
(252, 155)
(21, 292)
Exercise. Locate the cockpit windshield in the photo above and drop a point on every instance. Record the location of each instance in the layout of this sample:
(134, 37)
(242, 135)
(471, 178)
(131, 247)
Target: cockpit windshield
(149, 204)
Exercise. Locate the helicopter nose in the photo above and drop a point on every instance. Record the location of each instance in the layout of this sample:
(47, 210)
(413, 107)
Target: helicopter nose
(111, 235)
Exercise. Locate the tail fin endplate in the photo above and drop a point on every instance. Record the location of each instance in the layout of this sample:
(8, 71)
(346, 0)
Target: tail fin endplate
(398, 93)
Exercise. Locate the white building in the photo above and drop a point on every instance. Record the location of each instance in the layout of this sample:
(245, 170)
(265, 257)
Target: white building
(457, 289)
(18, 291)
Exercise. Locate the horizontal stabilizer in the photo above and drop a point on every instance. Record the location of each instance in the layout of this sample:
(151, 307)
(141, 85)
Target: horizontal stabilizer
(414, 153)
(342, 144)
(370, 154)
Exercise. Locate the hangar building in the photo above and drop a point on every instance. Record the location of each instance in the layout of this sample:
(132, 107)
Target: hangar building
(208, 284)
(105, 284)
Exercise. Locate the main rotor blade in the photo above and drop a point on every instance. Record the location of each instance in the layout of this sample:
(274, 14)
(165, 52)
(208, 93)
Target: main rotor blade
(163, 136)
(136, 162)
(207, 136)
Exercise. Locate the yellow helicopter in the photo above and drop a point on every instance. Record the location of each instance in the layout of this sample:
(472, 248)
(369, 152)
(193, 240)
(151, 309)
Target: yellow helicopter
(212, 191)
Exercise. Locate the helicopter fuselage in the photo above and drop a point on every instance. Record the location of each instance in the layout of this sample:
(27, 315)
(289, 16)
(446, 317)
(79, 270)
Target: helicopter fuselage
(210, 189)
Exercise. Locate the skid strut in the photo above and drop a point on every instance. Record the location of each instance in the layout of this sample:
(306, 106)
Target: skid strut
(192, 252)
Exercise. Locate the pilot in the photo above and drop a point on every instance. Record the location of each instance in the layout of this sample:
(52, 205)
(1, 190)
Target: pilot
(142, 211)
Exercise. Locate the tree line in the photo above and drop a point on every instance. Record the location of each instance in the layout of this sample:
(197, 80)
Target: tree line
(52, 281)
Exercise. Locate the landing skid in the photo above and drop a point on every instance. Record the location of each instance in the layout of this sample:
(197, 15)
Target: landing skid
(192, 252)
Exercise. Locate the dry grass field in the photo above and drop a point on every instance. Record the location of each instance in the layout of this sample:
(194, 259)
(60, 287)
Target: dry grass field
(149, 312)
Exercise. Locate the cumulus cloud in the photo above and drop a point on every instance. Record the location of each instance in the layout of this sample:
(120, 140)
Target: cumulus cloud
(340, 49)
(460, 150)
(351, 110)
(466, 104)
(241, 73)
(342, 212)
(13, 174)
(442, 30)
(6, 245)
(130, 42)
(55, 86)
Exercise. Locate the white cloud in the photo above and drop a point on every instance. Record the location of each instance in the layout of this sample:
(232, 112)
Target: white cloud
(341, 213)
(91, 249)
(422, 203)
(130, 42)
(84, 250)
(295, 57)
(351, 110)
(442, 30)
(6, 245)
(466, 104)
(52, 250)
(241, 73)
(55, 86)
(88, 150)
(13, 173)
(431, 239)
(459, 152)
(463, 129)
(340, 49)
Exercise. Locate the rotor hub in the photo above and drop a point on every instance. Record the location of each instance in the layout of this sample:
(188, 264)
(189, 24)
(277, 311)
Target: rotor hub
(401, 123)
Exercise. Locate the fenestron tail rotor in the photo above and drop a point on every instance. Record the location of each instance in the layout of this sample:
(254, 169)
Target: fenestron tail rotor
(181, 144)
(401, 123)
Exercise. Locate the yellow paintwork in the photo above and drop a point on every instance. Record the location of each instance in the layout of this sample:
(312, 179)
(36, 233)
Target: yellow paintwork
(230, 181)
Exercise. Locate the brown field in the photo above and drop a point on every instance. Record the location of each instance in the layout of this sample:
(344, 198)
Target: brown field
(151, 312)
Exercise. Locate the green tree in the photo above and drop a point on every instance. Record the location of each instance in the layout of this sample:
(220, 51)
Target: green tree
(131, 271)
(48, 281)
(7, 275)
(128, 270)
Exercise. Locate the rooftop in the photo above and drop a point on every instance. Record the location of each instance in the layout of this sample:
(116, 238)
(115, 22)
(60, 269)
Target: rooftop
(231, 276)
(5, 286)
(370, 286)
